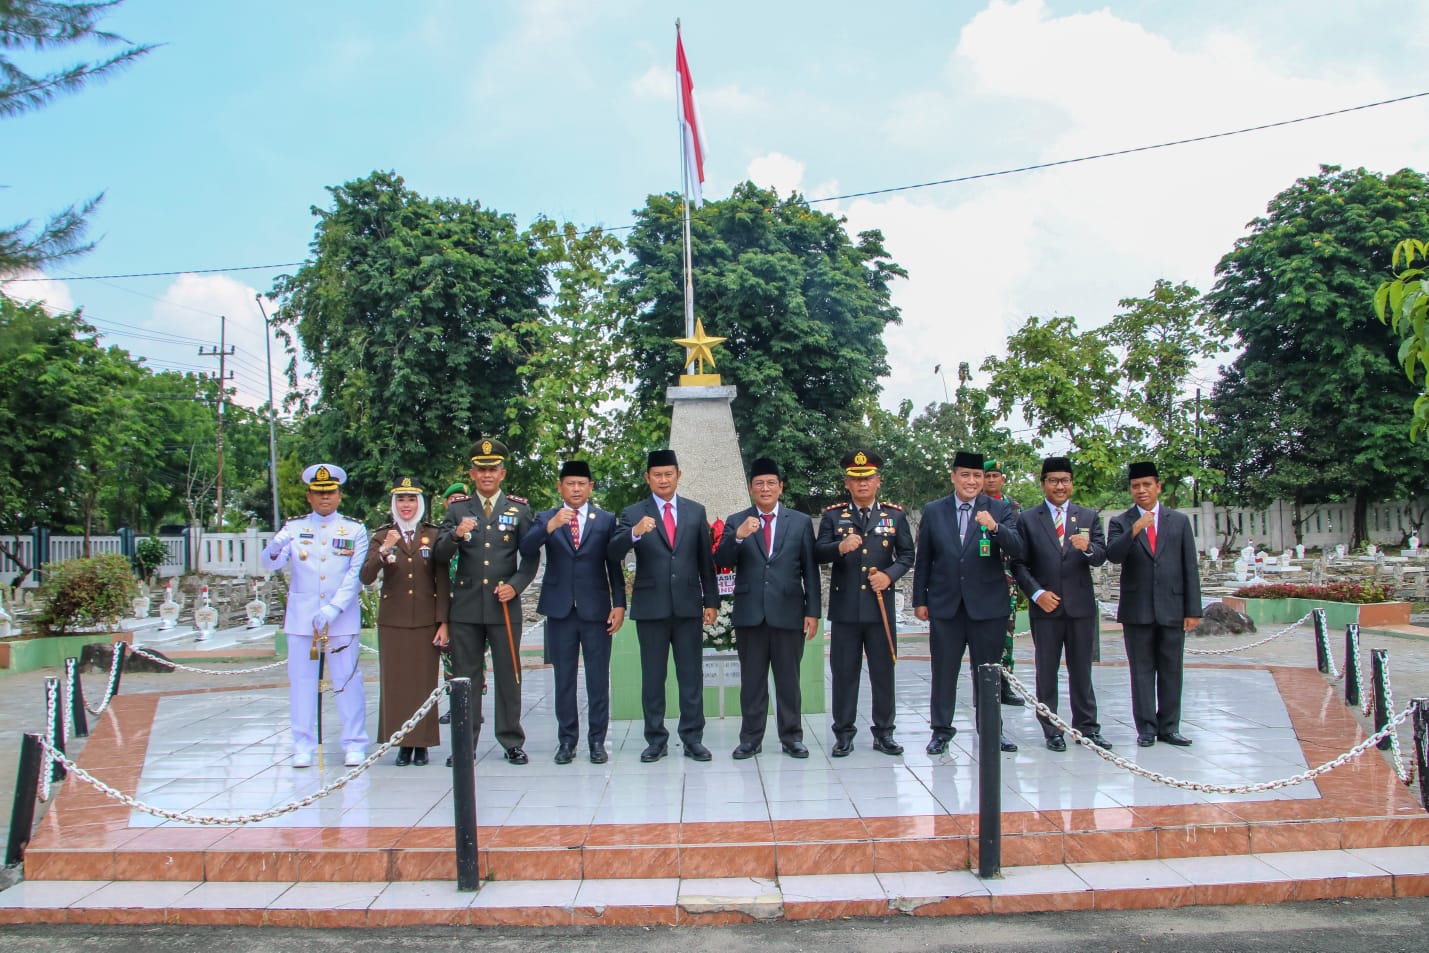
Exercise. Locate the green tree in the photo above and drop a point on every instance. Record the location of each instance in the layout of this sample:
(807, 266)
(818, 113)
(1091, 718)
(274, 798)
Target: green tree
(1312, 408)
(802, 305)
(407, 313)
(1403, 303)
(38, 27)
(573, 362)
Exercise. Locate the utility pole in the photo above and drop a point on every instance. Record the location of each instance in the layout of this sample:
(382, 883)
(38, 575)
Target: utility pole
(1200, 460)
(272, 417)
(223, 352)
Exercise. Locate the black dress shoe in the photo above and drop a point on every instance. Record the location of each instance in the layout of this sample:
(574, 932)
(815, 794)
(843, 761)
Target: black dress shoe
(1007, 744)
(842, 748)
(449, 761)
(1097, 739)
(565, 753)
(653, 753)
(515, 755)
(446, 719)
(697, 751)
(419, 757)
(887, 746)
(1055, 743)
(404, 757)
(1010, 697)
(795, 749)
(1145, 741)
(937, 745)
(1175, 738)
(746, 750)
(598, 754)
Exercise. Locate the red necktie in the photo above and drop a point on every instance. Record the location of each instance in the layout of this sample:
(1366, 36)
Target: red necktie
(1151, 537)
(1061, 523)
(768, 533)
(576, 529)
(670, 524)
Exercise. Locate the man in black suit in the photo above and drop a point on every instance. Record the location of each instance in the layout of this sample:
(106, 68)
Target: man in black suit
(482, 535)
(675, 595)
(776, 600)
(583, 600)
(1061, 542)
(1160, 603)
(959, 586)
(871, 548)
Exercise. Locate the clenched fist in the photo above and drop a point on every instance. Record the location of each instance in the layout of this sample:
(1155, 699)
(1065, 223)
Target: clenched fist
(749, 527)
(850, 542)
(1146, 521)
(560, 518)
(464, 528)
(985, 520)
(646, 525)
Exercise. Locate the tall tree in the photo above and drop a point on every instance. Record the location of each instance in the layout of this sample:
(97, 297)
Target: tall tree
(38, 27)
(407, 313)
(573, 362)
(1312, 408)
(803, 307)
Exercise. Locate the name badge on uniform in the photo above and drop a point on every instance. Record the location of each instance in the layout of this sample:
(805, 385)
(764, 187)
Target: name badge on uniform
(305, 535)
(984, 545)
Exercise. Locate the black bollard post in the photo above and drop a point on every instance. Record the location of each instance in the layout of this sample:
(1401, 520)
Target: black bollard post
(118, 667)
(1322, 642)
(57, 731)
(1421, 748)
(468, 875)
(27, 789)
(78, 715)
(989, 728)
(1379, 680)
(1352, 668)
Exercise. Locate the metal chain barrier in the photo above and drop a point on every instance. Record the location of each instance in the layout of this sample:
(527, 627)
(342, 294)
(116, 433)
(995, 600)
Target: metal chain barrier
(1366, 691)
(1334, 672)
(115, 656)
(210, 820)
(1205, 788)
(1405, 774)
(1271, 638)
(50, 690)
(368, 648)
(204, 671)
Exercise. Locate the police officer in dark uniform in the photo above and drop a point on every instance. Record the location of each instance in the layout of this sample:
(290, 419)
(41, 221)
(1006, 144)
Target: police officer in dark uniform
(870, 546)
(482, 536)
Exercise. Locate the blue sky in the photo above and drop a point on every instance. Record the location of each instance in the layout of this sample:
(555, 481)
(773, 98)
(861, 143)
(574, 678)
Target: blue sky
(213, 149)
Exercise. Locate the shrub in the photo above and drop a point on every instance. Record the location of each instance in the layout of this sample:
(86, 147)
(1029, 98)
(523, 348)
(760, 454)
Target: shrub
(85, 592)
(1352, 592)
(149, 555)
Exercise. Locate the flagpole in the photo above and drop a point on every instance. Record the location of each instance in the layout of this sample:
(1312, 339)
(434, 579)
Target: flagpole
(685, 183)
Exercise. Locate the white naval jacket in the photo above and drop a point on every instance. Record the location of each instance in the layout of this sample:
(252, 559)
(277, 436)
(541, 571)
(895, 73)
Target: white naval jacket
(324, 556)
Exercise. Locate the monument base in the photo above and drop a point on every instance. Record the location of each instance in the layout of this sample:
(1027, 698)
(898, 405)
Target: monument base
(703, 437)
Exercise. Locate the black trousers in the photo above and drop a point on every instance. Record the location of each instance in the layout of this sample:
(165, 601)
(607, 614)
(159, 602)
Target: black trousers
(947, 640)
(849, 643)
(1053, 638)
(569, 639)
(761, 648)
(1155, 654)
(685, 638)
(469, 642)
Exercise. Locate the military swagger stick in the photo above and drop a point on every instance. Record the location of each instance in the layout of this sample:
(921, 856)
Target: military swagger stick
(319, 651)
(883, 611)
(510, 639)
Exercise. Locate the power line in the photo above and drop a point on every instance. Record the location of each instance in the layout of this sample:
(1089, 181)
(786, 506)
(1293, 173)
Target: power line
(852, 195)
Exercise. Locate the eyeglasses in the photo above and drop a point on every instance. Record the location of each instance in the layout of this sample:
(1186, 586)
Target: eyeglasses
(1058, 481)
(765, 484)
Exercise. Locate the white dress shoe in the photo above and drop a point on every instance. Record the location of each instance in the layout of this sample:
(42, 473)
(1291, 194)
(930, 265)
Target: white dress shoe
(352, 757)
(302, 759)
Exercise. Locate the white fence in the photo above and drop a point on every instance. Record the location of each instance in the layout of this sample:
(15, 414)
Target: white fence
(222, 554)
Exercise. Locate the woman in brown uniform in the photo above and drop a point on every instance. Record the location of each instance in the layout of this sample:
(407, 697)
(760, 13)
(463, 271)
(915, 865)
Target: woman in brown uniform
(411, 618)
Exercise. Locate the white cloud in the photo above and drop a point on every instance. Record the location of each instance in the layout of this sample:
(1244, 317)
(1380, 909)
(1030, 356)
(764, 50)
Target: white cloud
(657, 82)
(783, 173)
(1075, 239)
(41, 289)
(190, 309)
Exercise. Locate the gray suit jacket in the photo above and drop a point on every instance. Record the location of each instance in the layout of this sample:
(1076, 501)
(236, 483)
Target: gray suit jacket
(780, 588)
(1049, 564)
(669, 582)
(1164, 589)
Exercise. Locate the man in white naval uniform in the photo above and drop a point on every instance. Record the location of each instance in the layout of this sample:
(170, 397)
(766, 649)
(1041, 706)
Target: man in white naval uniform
(324, 552)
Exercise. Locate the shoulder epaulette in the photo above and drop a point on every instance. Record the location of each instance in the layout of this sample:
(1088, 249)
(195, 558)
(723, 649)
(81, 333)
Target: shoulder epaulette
(892, 505)
(517, 499)
(836, 506)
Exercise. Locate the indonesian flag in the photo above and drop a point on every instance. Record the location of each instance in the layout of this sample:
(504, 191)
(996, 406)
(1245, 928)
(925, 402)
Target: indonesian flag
(689, 117)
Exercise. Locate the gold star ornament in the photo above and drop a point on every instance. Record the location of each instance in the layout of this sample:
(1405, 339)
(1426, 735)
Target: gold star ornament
(699, 352)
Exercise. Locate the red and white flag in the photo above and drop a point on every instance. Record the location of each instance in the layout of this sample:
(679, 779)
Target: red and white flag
(694, 153)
